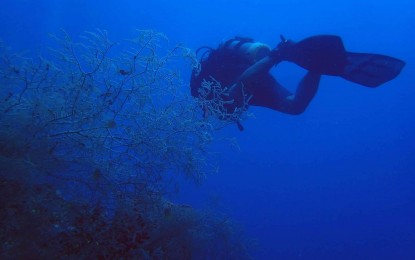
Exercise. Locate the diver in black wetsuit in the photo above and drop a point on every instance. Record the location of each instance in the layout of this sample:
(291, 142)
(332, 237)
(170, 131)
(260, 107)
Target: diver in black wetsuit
(242, 66)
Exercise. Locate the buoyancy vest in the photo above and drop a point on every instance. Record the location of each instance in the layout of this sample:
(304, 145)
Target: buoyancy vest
(226, 63)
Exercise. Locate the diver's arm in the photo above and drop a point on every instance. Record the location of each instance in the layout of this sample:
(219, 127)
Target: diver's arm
(278, 54)
(265, 64)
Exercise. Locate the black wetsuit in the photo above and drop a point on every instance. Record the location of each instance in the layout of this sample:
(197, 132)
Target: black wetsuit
(226, 65)
(320, 55)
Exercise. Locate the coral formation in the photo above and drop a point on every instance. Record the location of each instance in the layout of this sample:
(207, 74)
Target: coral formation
(92, 137)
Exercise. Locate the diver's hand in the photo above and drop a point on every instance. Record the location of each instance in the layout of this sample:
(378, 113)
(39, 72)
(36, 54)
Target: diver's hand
(235, 93)
(232, 89)
(238, 96)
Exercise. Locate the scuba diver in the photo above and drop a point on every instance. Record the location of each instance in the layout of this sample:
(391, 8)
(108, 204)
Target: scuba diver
(242, 66)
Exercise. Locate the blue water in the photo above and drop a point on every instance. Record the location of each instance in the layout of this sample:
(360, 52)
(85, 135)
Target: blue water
(337, 182)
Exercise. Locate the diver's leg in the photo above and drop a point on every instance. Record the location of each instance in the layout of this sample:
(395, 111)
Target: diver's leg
(305, 92)
(267, 92)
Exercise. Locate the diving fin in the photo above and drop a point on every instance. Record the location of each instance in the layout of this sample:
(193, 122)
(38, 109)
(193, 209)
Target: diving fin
(371, 70)
(323, 54)
(326, 55)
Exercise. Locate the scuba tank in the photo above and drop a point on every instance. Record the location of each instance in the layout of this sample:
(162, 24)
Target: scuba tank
(247, 48)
